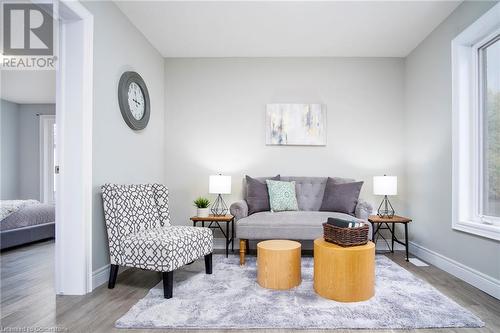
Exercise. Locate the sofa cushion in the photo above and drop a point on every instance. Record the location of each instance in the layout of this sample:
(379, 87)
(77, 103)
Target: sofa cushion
(300, 225)
(309, 190)
(257, 194)
(341, 197)
(282, 195)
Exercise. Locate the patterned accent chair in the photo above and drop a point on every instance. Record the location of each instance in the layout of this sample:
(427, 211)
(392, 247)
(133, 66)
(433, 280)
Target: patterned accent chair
(140, 234)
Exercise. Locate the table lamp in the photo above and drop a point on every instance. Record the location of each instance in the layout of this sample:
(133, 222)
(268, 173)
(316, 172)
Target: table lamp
(219, 184)
(385, 185)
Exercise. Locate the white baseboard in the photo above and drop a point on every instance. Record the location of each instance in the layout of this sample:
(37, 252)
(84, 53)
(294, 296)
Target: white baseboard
(220, 244)
(382, 246)
(479, 280)
(473, 277)
(101, 275)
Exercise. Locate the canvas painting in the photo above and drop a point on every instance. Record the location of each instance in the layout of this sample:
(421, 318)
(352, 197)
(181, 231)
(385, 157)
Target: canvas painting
(296, 124)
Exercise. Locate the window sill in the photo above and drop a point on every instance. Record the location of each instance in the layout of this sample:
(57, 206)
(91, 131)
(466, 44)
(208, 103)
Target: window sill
(480, 229)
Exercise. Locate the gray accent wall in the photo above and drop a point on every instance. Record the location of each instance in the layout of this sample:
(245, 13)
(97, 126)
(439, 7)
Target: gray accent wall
(121, 155)
(20, 149)
(9, 163)
(215, 122)
(429, 148)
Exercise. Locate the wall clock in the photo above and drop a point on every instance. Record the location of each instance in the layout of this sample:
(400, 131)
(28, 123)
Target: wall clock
(133, 98)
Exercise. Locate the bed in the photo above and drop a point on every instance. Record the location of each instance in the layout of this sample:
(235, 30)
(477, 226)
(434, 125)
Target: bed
(25, 221)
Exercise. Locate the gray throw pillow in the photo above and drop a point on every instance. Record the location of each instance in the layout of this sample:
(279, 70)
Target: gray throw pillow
(258, 195)
(341, 198)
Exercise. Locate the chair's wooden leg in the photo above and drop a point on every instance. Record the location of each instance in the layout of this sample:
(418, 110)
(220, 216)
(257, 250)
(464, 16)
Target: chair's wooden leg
(113, 273)
(243, 246)
(248, 246)
(168, 284)
(208, 263)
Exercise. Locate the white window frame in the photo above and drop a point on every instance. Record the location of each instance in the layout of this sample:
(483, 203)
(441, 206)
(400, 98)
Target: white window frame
(467, 185)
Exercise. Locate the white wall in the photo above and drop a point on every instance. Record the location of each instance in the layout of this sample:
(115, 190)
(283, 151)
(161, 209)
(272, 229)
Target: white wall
(215, 121)
(429, 151)
(121, 155)
(9, 163)
(29, 148)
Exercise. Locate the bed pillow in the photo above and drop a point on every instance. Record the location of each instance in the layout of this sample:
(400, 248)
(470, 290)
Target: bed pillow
(341, 198)
(282, 196)
(258, 195)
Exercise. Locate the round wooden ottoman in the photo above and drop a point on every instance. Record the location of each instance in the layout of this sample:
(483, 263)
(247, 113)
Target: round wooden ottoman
(344, 274)
(278, 264)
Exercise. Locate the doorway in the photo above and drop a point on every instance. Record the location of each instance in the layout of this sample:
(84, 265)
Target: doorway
(70, 131)
(74, 100)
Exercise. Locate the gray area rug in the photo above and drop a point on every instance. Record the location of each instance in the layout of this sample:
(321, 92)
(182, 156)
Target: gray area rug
(231, 298)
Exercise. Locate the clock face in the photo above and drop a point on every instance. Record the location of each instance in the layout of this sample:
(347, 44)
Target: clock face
(133, 99)
(136, 101)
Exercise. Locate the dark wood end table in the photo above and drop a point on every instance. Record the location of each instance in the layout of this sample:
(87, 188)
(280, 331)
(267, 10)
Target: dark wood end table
(214, 223)
(385, 223)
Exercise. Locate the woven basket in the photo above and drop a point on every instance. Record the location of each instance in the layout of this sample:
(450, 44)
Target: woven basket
(346, 236)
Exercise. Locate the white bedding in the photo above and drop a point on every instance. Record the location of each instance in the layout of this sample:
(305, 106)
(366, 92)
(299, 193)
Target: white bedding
(8, 207)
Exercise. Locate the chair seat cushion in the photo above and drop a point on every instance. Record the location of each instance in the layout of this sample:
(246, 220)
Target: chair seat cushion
(165, 249)
(299, 225)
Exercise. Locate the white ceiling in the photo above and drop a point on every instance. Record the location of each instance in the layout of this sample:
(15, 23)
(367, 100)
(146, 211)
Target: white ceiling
(286, 29)
(28, 87)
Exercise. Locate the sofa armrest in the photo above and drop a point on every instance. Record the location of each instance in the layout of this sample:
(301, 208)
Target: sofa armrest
(239, 209)
(363, 209)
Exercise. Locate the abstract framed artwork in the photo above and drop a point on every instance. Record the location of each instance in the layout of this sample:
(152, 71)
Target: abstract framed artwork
(296, 124)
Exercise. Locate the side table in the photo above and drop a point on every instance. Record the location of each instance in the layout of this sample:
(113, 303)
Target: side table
(386, 223)
(344, 274)
(214, 223)
(278, 264)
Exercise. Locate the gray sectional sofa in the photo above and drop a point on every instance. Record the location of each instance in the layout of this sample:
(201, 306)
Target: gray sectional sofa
(304, 224)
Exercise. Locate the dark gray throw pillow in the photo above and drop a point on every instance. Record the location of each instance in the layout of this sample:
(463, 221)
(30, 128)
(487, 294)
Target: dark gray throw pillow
(341, 198)
(257, 195)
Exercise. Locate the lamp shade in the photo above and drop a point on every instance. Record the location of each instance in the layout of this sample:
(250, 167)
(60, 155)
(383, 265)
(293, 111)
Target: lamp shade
(385, 185)
(219, 184)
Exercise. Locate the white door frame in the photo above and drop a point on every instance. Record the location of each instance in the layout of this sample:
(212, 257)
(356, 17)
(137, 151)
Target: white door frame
(46, 152)
(73, 257)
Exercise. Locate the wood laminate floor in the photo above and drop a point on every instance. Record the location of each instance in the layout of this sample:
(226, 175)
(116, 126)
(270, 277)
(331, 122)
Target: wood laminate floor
(28, 300)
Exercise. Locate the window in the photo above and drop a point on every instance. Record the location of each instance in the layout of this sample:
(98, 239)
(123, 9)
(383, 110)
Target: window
(48, 158)
(476, 127)
(489, 99)
(54, 160)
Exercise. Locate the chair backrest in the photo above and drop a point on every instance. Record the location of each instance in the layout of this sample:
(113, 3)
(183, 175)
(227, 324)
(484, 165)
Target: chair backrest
(131, 208)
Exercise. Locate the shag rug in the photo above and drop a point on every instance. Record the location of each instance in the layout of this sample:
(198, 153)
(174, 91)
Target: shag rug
(230, 298)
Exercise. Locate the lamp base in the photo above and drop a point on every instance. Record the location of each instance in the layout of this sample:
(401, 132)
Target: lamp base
(219, 207)
(385, 209)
